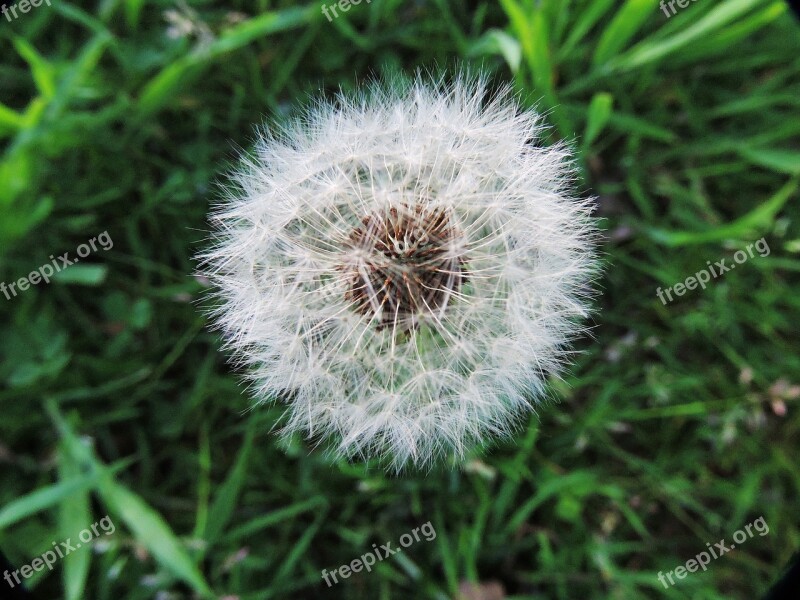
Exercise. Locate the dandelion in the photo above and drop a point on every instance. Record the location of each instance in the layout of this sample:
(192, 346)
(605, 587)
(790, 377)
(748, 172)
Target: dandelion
(403, 268)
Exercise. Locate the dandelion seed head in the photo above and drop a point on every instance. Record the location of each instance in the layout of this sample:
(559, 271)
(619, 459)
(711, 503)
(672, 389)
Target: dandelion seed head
(404, 268)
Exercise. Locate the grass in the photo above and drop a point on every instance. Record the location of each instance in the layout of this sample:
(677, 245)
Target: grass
(677, 425)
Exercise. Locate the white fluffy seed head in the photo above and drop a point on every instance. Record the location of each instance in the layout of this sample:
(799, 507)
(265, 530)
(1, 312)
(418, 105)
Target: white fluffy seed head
(403, 268)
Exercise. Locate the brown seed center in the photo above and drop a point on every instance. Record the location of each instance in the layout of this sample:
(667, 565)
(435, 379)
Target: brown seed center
(408, 264)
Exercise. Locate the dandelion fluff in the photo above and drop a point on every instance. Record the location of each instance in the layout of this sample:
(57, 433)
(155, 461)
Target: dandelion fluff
(404, 268)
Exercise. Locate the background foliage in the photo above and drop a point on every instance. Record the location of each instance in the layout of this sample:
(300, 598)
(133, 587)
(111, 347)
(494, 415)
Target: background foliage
(677, 425)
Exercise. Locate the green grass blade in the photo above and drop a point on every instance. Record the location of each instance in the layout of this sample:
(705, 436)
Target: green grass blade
(651, 51)
(42, 71)
(746, 227)
(496, 41)
(626, 23)
(153, 532)
(587, 19)
(224, 503)
(10, 121)
(146, 524)
(274, 517)
(44, 498)
(162, 88)
(89, 275)
(598, 115)
(781, 161)
(74, 511)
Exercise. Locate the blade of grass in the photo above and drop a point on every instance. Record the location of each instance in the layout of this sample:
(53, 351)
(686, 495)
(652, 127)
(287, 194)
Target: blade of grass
(162, 88)
(651, 51)
(74, 510)
(745, 227)
(274, 517)
(146, 524)
(625, 24)
(781, 161)
(224, 502)
(587, 19)
(44, 498)
(597, 117)
(42, 71)
(496, 41)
